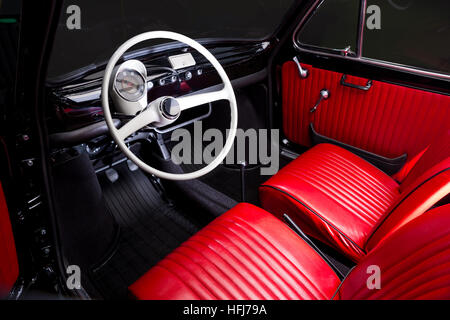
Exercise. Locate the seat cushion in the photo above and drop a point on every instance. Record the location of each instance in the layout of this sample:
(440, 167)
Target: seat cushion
(333, 195)
(244, 254)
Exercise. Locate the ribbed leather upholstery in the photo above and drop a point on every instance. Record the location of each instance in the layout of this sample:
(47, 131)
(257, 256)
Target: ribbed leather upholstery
(347, 203)
(388, 120)
(247, 254)
(244, 254)
(435, 159)
(9, 268)
(427, 183)
(409, 206)
(333, 195)
(414, 262)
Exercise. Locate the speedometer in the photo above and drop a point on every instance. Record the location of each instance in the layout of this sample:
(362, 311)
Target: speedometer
(130, 85)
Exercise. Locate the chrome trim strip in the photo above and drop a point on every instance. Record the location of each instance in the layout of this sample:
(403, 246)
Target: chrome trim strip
(368, 61)
(381, 64)
(362, 20)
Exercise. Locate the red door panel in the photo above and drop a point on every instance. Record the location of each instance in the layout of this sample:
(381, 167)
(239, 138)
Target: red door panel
(388, 120)
(9, 267)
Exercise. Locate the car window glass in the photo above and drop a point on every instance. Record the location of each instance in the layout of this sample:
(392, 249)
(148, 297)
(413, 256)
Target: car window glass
(333, 25)
(410, 32)
(89, 31)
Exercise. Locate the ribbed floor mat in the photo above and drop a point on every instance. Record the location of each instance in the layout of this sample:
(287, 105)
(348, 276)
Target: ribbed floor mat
(150, 229)
(228, 181)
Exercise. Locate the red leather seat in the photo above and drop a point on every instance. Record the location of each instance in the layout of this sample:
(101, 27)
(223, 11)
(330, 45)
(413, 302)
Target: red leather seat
(244, 254)
(344, 201)
(249, 254)
(414, 262)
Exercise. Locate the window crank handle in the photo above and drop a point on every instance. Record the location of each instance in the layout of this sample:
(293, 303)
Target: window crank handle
(303, 72)
(324, 95)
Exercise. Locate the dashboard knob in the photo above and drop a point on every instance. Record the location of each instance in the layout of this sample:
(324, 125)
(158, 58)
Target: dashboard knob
(188, 75)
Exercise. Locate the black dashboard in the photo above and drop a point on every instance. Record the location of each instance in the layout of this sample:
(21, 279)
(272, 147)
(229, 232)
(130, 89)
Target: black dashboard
(75, 100)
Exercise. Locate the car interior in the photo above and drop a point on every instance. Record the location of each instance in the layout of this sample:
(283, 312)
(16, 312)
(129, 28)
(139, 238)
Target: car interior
(356, 119)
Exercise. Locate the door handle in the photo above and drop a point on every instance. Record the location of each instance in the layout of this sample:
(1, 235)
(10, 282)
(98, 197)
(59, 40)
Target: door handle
(355, 86)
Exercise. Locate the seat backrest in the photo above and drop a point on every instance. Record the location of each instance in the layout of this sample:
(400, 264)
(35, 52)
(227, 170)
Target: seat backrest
(410, 206)
(426, 184)
(434, 160)
(414, 263)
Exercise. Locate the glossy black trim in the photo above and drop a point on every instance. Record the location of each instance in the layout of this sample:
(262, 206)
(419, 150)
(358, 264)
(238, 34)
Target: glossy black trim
(39, 23)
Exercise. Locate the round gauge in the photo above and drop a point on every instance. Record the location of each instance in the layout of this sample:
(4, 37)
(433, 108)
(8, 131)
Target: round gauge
(130, 84)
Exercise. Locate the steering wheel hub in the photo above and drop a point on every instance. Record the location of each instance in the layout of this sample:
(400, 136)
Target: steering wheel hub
(170, 108)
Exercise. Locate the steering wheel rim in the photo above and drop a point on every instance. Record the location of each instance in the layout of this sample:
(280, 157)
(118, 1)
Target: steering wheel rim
(228, 89)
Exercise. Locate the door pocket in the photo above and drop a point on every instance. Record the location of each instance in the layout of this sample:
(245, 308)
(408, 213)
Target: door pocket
(388, 165)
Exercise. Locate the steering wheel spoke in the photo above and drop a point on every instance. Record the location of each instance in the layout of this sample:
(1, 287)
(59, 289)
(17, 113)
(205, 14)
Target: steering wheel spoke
(142, 120)
(194, 100)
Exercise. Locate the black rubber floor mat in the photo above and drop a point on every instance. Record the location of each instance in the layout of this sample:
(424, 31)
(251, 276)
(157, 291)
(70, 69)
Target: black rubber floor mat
(150, 229)
(228, 181)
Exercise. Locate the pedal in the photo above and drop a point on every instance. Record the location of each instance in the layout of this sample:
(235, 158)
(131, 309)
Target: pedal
(132, 166)
(112, 175)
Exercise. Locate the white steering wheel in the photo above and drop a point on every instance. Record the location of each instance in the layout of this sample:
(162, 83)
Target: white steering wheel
(165, 110)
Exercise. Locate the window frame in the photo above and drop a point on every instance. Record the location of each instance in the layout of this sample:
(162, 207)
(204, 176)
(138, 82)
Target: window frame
(357, 57)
